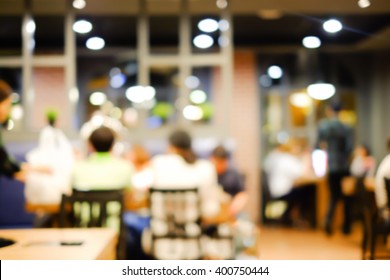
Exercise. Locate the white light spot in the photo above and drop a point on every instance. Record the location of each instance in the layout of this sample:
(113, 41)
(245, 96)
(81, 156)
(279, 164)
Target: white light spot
(311, 42)
(203, 41)
(95, 43)
(82, 26)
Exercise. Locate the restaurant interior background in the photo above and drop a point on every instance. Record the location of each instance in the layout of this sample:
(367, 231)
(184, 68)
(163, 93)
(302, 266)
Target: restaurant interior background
(152, 73)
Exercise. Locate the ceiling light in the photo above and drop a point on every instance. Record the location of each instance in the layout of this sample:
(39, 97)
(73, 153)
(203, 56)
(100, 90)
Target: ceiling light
(275, 72)
(221, 4)
(203, 41)
(208, 25)
(79, 4)
(30, 26)
(332, 26)
(95, 43)
(82, 26)
(321, 91)
(311, 42)
(364, 3)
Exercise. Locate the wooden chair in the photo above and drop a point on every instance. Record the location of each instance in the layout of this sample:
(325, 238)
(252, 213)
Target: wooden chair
(375, 225)
(92, 209)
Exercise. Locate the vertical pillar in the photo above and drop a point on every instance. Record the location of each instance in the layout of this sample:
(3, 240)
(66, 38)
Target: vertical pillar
(28, 29)
(184, 57)
(70, 67)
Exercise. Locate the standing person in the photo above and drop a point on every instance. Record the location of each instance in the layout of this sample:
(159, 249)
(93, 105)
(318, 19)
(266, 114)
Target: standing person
(336, 139)
(8, 166)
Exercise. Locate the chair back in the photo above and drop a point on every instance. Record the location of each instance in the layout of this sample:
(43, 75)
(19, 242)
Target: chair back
(94, 209)
(175, 220)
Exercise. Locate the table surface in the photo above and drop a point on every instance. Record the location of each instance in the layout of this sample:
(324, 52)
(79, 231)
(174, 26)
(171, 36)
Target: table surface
(44, 244)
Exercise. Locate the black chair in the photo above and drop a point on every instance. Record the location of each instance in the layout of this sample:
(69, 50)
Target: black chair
(175, 223)
(89, 209)
(374, 223)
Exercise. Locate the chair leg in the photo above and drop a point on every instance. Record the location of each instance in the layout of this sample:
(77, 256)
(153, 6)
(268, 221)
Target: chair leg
(373, 244)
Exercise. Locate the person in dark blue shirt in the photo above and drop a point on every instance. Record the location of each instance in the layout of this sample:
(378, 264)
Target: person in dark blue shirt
(336, 138)
(229, 178)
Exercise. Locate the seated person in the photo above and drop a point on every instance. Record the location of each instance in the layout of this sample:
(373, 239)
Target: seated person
(381, 195)
(101, 170)
(230, 179)
(284, 168)
(180, 168)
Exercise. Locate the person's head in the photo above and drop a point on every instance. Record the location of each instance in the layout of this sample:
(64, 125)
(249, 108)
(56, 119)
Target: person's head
(102, 139)
(362, 150)
(181, 144)
(333, 109)
(5, 101)
(220, 158)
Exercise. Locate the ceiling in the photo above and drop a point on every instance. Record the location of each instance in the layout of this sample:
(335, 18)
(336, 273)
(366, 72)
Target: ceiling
(115, 20)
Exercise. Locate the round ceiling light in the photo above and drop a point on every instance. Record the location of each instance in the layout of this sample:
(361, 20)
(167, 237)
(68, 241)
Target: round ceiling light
(95, 43)
(208, 25)
(203, 41)
(82, 26)
(332, 26)
(275, 72)
(311, 42)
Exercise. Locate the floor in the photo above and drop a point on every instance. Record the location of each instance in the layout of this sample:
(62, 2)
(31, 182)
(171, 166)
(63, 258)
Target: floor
(278, 243)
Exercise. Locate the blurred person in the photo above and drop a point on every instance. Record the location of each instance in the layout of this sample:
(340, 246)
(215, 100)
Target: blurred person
(101, 118)
(381, 196)
(138, 218)
(102, 170)
(363, 164)
(8, 166)
(54, 150)
(283, 168)
(180, 168)
(336, 138)
(229, 178)
(140, 158)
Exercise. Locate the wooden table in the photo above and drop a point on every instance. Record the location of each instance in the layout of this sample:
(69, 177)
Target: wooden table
(44, 244)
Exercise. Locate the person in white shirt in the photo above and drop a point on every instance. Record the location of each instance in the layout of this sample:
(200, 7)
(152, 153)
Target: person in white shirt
(181, 169)
(380, 189)
(283, 168)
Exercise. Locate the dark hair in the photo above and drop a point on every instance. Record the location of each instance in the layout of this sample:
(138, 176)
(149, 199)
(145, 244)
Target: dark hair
(181, 140)
(102, 139)
(336, 106)
(366, 148)
(5, 91)
(220, 152)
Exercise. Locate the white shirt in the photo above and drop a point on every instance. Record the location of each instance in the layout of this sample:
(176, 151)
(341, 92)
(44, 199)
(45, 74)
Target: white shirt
(282, 170)
(171, 171)
(380, 190)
